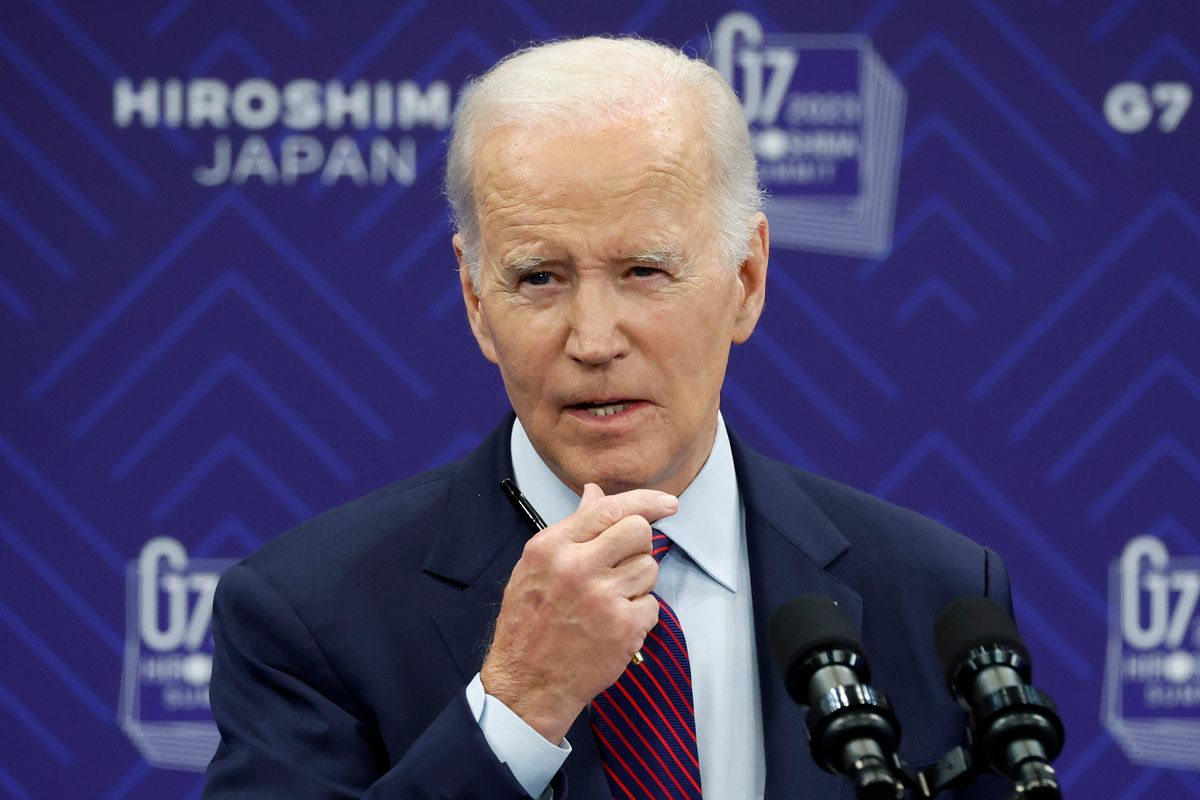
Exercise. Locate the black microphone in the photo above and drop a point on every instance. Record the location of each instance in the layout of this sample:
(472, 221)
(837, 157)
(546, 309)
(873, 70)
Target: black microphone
(1015, 729)
(851, 728)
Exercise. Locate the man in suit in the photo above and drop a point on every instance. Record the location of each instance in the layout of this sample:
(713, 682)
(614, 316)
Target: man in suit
(420, 642)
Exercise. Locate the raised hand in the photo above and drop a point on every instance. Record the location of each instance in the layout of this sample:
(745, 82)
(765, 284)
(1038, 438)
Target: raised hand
(576, 608)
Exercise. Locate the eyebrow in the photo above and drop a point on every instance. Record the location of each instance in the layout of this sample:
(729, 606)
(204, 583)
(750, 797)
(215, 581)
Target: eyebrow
(526, 263)
(522, 263)
(659, 255)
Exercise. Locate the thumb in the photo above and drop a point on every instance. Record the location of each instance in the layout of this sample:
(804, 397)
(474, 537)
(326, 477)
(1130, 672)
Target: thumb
(575, 526)
(590, 492)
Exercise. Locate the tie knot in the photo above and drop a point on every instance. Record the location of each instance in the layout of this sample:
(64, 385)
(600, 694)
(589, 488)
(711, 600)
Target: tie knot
(660, 545)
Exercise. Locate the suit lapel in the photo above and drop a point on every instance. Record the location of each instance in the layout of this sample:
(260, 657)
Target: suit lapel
(790, 543)
(476, 547)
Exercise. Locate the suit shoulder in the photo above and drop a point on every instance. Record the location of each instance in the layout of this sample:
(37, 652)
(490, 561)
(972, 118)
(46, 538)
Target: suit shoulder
(844, 502)
(883, 533)
(329, 546)
(897, 550)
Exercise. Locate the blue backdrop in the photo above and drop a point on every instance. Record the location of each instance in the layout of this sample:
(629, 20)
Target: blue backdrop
(227, 302)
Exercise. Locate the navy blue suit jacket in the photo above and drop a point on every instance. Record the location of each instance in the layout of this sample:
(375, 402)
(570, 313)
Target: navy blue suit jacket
(343, 647)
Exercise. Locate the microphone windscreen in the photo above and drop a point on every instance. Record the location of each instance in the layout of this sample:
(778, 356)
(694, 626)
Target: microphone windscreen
(971, 622)
(800, 628)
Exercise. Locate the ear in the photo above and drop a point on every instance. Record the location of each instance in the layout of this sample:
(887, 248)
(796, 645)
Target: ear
(475, 313)
(752, 275)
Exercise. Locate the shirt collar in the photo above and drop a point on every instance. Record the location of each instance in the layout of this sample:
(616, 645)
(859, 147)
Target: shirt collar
(707, 526)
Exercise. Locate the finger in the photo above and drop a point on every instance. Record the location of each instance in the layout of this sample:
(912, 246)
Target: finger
(599, 513)
(646, 610)
(635, 576)
(626, 538)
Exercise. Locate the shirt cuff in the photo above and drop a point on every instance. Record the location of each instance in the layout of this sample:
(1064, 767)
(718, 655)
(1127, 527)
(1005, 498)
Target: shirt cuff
(532, 760)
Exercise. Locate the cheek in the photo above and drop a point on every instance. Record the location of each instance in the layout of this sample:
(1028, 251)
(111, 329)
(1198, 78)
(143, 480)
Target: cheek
(694, 354)
(505, 327)
(696, 350)
(705, 324)
(525, 359)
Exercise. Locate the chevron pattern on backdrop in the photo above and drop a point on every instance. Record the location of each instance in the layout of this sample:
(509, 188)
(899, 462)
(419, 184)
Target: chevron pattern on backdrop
(214, 363)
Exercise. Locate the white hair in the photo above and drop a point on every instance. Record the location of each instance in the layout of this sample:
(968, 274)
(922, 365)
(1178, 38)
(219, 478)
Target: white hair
(578, 82)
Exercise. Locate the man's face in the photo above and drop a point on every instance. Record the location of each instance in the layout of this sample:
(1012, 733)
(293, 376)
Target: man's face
(603, 299)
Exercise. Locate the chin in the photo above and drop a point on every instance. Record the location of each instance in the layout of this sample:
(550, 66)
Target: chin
(611, 475)
(618, 484)
(617, 478)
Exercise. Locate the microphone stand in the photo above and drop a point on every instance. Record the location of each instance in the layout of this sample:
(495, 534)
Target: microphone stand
(956, 769)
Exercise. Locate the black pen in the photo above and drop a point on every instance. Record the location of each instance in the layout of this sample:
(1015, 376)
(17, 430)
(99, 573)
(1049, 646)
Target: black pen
(535, 522)
(521, 503)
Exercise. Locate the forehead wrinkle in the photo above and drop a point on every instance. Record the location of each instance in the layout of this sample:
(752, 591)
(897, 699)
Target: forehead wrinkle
(530, 204)
(668, 160)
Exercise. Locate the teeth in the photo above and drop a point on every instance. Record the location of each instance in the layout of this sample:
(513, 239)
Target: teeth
(607, 411)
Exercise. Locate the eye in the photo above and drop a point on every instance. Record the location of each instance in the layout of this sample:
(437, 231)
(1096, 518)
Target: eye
(644, 271)
(538, 278)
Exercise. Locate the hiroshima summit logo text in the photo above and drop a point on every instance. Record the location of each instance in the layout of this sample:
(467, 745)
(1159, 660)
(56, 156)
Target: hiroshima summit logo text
(827, 118)
(363, 133)
(1151, 703)
(164, 706)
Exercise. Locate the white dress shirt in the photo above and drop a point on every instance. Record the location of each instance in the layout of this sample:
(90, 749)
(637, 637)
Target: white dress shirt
(705, 578)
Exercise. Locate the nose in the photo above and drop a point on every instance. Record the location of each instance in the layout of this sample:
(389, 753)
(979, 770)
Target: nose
(597, 335)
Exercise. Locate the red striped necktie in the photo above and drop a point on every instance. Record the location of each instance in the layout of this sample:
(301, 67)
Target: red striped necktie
(645, 724)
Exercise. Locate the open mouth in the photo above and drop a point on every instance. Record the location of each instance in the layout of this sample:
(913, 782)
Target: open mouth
(606, 409)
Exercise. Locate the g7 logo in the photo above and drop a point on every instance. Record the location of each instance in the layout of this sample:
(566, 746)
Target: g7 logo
(766, 72)
(188, 598)
(1147, 619)
(1129, 107)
